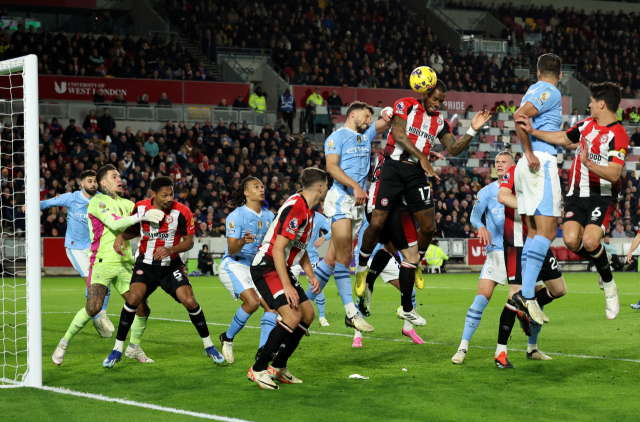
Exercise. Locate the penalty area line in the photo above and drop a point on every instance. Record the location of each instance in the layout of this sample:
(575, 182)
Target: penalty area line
(140, 404)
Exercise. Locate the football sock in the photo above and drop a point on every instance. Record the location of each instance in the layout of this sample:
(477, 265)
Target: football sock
(501, 348)
(544, 297)
(601, 260)
(106, 299)
(320, 304)
(413, 298)
(363, 258)
(422, 254)
(323, 272)
(79, 321)
(583, 252)
(533, 338)
(357, 334)
(464, 345)
(408, 326)
(127, 315)
(277, 337)
(198, 320)
(378, 263)
(535, 258)
(343, 281)
(507, 319)
(407, 280)
(474, 314)
(525, 251)
(238, 322)
(267, 323)
(137, 330)
(290, 345)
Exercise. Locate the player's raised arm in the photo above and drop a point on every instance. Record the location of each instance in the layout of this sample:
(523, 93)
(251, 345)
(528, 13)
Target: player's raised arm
(506, 198)
(456, 146)
(399, 133)
(476, 218)
(384, 124)
(560, 138)
(63, 200)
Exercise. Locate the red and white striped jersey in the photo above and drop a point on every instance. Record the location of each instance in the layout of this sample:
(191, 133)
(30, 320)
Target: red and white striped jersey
(604, 144)
(293, 221)
(177, 223)
(515, 228)
(422, 128)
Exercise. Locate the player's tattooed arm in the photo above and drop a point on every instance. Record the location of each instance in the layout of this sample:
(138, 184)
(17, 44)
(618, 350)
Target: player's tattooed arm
(399, 133)
(456, 146)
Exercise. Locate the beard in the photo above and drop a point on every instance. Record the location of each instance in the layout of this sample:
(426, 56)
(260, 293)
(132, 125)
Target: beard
(91, 191)
(362, 128)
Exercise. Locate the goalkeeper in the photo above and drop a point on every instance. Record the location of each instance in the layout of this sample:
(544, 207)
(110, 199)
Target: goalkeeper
(109, 215)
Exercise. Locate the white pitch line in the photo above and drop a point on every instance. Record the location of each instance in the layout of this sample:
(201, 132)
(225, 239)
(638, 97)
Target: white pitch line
(388, 339)
(139, 404)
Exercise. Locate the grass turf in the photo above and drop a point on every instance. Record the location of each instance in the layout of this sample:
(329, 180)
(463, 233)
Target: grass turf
(431, 388)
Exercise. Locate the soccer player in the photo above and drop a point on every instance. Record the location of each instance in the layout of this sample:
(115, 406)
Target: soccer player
(320, 223)
(515, 232)
(283, 247)
(246, 228)
(536, 179)
(595, 172)
(109, 215)
(348, 156)
(158, 264)
(76, 241)
(416, 125)
(634, 246)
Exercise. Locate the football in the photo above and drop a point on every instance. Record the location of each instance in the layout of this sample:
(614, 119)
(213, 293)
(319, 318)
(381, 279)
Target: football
(423, 79)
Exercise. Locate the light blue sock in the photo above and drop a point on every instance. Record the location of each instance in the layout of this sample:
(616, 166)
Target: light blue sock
(323, 273)
(473, 316)
(413, 299)
(535, 258)
(343, 281)
(535, 331)
(266, 325)
(320, 304)
(239, 320)
(525, 252)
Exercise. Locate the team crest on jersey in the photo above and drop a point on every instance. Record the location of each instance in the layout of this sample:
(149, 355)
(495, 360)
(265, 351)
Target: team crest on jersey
(169, 219)
(232, 225)
(384, 202)
(268, 224)
(260, 224)
(400, 106)
(102, 205)
(604, 139)
(139, 272)
(569, 214)
(545, 96)
(439, 121)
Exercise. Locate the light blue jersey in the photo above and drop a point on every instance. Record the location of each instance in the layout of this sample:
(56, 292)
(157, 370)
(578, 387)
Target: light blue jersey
(548, 100)
(354, 150)
(489, 213)
(238, 222)
(320, 222)
(77, 236)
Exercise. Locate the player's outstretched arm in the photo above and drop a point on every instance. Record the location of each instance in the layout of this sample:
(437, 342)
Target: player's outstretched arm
(63, 200)
(281, 268)
(114, 222)
(506, 198)
(634, 246)
(527, 110)
(456, 146)
(384, 124)
(559, 138)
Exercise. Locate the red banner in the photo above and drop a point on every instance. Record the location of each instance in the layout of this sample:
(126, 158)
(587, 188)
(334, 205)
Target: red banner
(455, 102)
(53, 253)
(627, 104)
(476, 252)
(179, 92)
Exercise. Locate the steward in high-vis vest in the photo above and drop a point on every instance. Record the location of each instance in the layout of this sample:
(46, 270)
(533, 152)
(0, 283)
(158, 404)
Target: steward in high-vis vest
(257, 101)
(287, 107)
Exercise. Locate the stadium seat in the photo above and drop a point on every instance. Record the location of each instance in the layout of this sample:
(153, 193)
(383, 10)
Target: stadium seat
(495, 131)
(573, 256)
(433, 269)
(484, 147)
(562, 253)
(554, 250)
(473, 162)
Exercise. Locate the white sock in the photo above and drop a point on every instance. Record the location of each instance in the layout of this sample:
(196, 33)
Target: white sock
(501, 348)
(360, 269)
(531, 347)
(119, 346)
(408, 326)
(351, 309)
(64, 341)
(207, 341)
(609, 285)
(357, 334)
(464, 345)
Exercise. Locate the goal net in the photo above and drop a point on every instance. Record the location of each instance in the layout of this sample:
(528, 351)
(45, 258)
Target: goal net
(20, 296)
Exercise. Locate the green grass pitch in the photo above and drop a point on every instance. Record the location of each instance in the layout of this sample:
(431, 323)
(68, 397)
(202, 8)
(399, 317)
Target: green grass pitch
(594, 374)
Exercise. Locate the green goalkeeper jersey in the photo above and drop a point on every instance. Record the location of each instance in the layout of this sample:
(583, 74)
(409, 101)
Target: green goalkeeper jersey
(107, 218)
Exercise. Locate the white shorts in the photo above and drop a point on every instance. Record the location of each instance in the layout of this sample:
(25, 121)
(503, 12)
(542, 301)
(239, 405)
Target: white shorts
(538, 192)
(390, 272)
(235, 277)
(494, 268)
(338, 206)
(80, 260)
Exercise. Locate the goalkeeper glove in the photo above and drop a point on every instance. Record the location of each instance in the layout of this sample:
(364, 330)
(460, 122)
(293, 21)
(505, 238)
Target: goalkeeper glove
(153, 215)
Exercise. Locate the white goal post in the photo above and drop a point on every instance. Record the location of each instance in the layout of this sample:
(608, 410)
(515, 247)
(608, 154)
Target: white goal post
(21, 297)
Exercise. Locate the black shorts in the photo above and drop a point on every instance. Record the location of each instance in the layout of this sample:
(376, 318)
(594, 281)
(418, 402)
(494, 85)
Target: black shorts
(596, 210)
(170, 278)
(403, 179)
(266, 279)
(513, 260)
(399, 229)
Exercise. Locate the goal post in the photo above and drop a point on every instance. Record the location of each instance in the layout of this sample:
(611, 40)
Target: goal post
(21, 297)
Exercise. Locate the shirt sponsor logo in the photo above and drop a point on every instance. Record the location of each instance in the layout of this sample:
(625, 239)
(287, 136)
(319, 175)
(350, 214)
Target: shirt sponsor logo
(358, 150)
(299, 245)
(423, 134)
(161, 236)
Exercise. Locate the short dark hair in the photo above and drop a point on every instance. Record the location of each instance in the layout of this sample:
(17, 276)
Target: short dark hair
(359, 105)
(161, 182)
(607, 92)
(440, 86)
(549, 65)
(87, 173)
(310, 176)
(102, 172)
